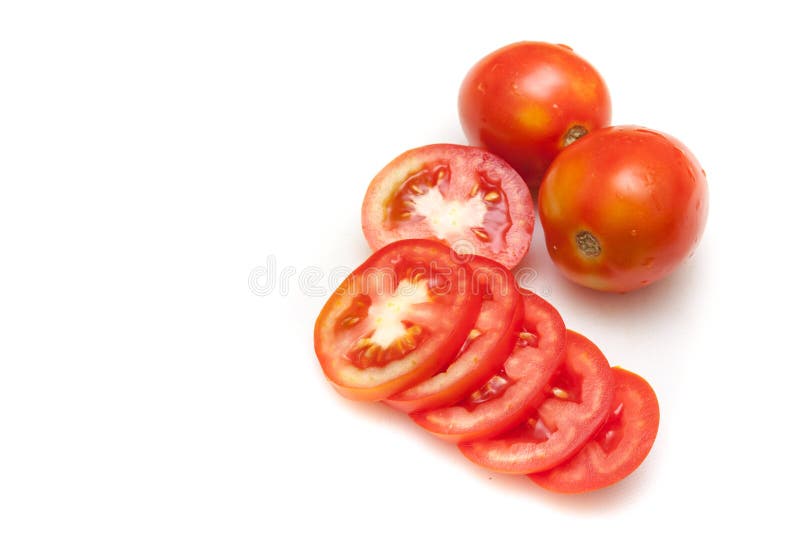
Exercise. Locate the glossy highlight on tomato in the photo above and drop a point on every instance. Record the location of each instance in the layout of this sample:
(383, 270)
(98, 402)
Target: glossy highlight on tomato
(623, 207)
(618, 447)
(395, 320)
(487, 345)
(577, 401)
(501, 402)
(527, 101)
(462, 196)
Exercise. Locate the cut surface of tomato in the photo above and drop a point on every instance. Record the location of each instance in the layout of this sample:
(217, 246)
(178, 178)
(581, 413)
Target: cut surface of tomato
(577, 401)
(487, 345)
(501, 402)
(463, 196)
(618, 447)
(395, 320)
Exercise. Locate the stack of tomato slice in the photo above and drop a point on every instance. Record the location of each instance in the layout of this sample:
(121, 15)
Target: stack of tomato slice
(477, 361)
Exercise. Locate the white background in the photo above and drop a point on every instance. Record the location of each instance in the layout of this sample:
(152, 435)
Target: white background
(155, 154)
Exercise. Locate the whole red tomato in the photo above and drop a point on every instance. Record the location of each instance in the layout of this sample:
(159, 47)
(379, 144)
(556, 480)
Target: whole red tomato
(623, 207)
(528, 100)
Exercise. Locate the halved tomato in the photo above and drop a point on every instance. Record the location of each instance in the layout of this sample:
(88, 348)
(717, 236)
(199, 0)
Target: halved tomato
(486, 347)
(396, 320)
(463, 196)
(619, 447)
(502, 402)
(578, 400)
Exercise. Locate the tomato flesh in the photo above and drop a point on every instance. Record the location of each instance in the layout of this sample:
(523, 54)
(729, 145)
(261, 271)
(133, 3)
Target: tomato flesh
(618, 447)
(462, 196)
(578, 399)
(527, 101)
(623, 207)
(501, 402)
(396, 320)
(486, 347)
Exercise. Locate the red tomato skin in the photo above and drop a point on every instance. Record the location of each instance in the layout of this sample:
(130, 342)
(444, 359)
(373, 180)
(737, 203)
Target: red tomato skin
(450, 333)
(634, 430)
(498, 321)
(572, 423)
(640, 194)
(521, 101)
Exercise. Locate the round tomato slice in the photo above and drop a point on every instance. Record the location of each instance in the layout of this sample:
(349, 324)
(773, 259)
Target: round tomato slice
(463, 196)
(577, 402)
(396, 320)
(502, 401)
(620, 445)
(486, 347)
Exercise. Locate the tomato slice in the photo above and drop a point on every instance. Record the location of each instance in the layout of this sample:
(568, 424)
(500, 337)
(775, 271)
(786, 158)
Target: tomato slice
(502, 401)
(486, 347)
(395, 320)
(619, 446)
(577, 402)
(463, 196)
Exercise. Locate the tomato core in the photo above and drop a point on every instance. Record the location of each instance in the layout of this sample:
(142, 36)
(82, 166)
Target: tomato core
(424, 195)
(401, 206)
(391, 335)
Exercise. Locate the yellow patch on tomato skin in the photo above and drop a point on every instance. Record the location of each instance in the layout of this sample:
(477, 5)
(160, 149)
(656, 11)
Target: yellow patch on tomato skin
(559, 189)
(534, 118)
(585, 89)
(550, 207)
(591, 280)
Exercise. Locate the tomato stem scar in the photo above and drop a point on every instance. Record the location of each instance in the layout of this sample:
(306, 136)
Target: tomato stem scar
(573, 134)
(588, 243)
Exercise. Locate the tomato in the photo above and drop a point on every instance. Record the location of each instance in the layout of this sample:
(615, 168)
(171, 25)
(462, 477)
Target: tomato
(502, 401)
(462, 196)
(618, 448)
(623, 207)
(486, 347)
(527, 101)
(395, 320)
(578, 400)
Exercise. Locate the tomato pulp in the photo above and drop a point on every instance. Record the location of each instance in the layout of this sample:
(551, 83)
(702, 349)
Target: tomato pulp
(527, 101)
